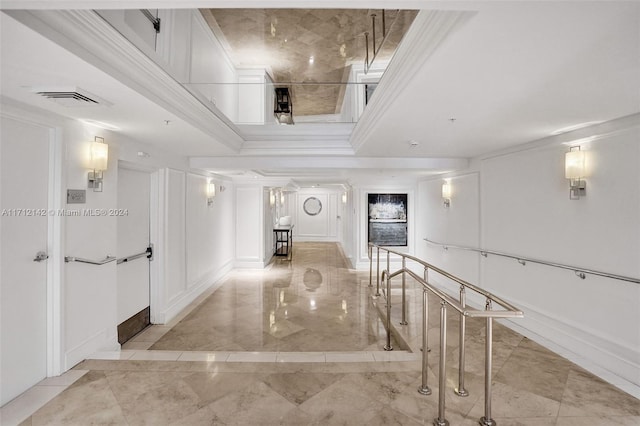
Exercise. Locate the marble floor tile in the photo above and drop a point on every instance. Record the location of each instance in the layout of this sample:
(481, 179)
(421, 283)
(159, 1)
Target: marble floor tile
(252, 357)
(65, 379)
(586, 394)
(349, 357)
(299, 387)
(113, 355)
(155, 356)
(301, 343)
(301, 357)
(21, 408)
(256, 405)
(89, 401)
(204, 356)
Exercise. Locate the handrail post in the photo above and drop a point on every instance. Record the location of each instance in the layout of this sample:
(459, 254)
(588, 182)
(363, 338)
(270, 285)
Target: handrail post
(388, 346)
(440, 420)
(460, 390)
(370, 265)
(378, 272)
(404, 293)
(486, 420)
(424, 388)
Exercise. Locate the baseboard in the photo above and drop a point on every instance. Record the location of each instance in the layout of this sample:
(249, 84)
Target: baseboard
(249, 264)
(618, 359)
(103, 340)
(314, 239)
(203, 284)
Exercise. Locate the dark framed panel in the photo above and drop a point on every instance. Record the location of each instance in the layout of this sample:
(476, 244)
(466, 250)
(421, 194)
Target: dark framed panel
(387, 224)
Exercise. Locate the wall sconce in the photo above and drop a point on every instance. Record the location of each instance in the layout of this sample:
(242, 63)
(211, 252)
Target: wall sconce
(446, 193)
(272, 198)
(281, 198)
(344, 198)
(98, 161)
(574, 170)
(211, 193)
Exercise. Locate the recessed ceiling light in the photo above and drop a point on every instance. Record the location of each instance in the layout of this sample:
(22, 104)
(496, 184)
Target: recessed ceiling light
(413, 143)
(166, 122)
(311, 60)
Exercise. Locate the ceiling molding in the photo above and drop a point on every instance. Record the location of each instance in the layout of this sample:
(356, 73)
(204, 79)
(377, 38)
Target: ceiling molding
(199, 4)
(87, 35)
(327, 162)
(575, 137)
(296, 148)
(427, 33)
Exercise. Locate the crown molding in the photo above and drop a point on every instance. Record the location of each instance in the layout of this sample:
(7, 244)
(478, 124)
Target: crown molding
(326, 162)
(428, 32)
(87, 35)
(267, 4)
(580, 136)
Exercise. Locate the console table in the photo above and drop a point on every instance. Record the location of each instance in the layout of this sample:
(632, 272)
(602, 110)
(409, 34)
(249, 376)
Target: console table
(283, 240)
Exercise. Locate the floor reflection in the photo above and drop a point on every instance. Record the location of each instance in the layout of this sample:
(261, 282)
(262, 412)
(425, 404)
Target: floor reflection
(311, 303)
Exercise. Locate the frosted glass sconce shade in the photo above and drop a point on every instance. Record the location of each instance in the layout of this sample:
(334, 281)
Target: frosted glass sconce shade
(575, 170)
(211, 192)
(574, 164)
(99, 156)
(446, 193)
(98, 161)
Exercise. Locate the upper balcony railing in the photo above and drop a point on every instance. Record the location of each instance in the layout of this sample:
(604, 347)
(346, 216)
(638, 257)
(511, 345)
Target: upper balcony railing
(460, 305)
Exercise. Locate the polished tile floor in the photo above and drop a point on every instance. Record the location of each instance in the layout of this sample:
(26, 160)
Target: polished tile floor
(234, 357)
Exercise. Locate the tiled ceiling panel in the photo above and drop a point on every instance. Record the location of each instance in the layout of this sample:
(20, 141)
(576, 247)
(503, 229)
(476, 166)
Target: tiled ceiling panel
(286, 39)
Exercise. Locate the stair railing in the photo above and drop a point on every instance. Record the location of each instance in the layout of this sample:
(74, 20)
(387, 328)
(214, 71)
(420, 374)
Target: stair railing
(489, 313)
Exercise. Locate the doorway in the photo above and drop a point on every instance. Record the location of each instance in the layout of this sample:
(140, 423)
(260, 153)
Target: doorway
(134, 252)
(24, 255)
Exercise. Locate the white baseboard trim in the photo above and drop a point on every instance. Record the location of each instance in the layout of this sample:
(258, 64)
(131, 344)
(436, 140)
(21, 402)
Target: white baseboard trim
(314, 239)
(103, 340)
(203, 284)
(249, 264)
(580, 344)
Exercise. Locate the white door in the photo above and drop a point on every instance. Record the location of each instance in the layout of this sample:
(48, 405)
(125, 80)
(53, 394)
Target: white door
(24, 188)
(133, 241)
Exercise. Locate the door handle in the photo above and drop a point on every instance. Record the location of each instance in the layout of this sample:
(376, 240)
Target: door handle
(41, 256)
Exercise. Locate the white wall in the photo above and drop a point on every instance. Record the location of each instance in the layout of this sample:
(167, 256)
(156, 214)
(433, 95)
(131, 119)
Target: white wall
(347, 228)
(212, 72)
(89, 291)
(321, 227)
(521, 202)
(185, 48)
(194, 243)
(443, 224)
(249, 226)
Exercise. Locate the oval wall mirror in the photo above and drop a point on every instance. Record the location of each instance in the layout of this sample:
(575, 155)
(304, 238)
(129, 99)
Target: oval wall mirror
(312, 206)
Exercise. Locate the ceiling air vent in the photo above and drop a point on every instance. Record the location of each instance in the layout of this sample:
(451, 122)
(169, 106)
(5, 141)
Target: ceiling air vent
(71, 97)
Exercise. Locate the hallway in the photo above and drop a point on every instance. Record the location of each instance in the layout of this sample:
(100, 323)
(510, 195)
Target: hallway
(198, 369)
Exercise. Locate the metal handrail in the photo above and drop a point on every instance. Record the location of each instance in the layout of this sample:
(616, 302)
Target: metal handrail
(148, 253)
(509, 307)
(580, 272)
(107, 259)
(488, 313)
